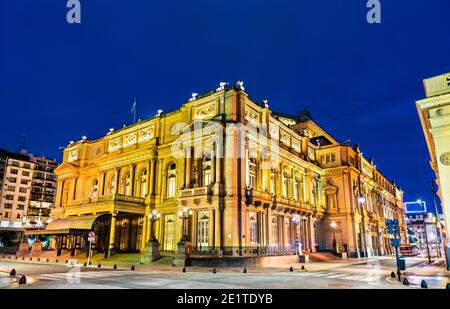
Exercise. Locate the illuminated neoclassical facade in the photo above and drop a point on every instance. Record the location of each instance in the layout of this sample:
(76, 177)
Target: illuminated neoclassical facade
(251, 182)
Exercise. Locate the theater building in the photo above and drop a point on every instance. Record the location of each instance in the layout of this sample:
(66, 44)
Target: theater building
(249, 180)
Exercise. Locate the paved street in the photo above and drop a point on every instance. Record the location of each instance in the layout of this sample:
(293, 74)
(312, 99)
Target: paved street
(373, 274)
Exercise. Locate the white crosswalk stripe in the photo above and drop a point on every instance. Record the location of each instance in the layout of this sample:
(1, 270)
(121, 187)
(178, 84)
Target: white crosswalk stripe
(82, 275)
(338, 275)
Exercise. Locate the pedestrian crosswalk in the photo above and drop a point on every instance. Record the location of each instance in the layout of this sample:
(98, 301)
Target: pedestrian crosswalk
(73, 275)
(368, 278)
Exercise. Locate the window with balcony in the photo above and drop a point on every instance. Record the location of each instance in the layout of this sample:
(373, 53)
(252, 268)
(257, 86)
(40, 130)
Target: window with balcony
(127, 185)
(171, 180)
(251, 173)
(272, 182)
(143, 183)
(285, 185)
(206, 170)
(112, 185)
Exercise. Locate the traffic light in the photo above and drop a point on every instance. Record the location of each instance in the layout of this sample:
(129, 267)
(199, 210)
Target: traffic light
(389, 226)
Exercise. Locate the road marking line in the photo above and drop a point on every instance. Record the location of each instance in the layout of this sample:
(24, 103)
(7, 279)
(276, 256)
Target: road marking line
(336, 276)
(355, 277)
(322, 274)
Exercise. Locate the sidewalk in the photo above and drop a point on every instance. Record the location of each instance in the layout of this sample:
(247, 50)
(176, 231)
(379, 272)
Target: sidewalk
(127, 261)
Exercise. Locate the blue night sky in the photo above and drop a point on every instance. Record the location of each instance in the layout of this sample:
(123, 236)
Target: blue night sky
(59, 81)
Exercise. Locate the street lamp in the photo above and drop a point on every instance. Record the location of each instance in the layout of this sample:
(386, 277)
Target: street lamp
(296, 220)
(438, 227)
(433, 220)
(153, 216)
(185, 214)
(426, 236)
(333, 226)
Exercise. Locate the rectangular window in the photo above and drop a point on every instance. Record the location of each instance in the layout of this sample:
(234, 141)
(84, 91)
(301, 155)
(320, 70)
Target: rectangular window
(11, 188)
(24, 182)
(23, 190)
(17, 224)
(12, 179)
(20, 207)
(15, 163)
(26, 165)
(21, 198)
(203, 229)
(275, 231)
(9, 197)
(253, 228)
(14, 171)
(4, 223)
(7, 206)
(25, 173)
(6, 215)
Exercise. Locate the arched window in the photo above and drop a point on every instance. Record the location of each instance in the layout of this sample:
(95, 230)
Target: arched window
(143, 183)
(206, 170)
(127, 186)
(171, 180)
(112, 185)
(94, 189)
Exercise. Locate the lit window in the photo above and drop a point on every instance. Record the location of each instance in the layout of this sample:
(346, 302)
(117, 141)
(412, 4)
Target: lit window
(171, 180)
(251, 173)
(203, 229)
(143, 188)
(206, 170)
(253, 228)
(296, 189)
(127, 190)
(112, 185)
(272, 182)
(285, 185)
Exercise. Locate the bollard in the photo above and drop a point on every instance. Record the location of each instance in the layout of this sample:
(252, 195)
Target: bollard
(291, 269)
(12, 273)
(392, 275)
(214, 271)
(245, 270)
(23, 280)
(399, 274)
(67, 261)
(48, 260)
(99, 265)
(84, 264)
(448, 285)
(9, 257)
(132, 267)
(90, 262)
(115, 266)
(405, 281)
(56, 260)
(424, 284)
(184, 269)
(39, 259)
(31, 258)
(23, 258)
(17, 257)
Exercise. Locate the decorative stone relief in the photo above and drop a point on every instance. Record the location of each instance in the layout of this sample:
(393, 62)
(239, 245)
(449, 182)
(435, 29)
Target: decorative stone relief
(206, 112)
(285, 138)
(296, 145)
(445, 158)
(130, 140)
(115, 144)
(73, 155)
(251, 116)
(146, 134)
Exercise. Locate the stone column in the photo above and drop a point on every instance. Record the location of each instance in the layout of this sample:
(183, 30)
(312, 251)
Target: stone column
(217, 227)
(188, 170)
(112, 235)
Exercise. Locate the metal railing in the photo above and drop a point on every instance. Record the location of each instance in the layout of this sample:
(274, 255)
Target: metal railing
(244, 251)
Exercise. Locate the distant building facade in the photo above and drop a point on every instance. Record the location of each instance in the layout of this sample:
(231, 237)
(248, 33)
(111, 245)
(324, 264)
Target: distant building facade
(434, 114)
(254, 180)
(20, 178)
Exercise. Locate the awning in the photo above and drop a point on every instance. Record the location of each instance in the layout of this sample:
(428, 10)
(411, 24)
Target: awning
(63, 226)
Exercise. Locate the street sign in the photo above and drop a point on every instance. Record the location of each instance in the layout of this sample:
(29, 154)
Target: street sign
(91, 237)
(395, 242)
